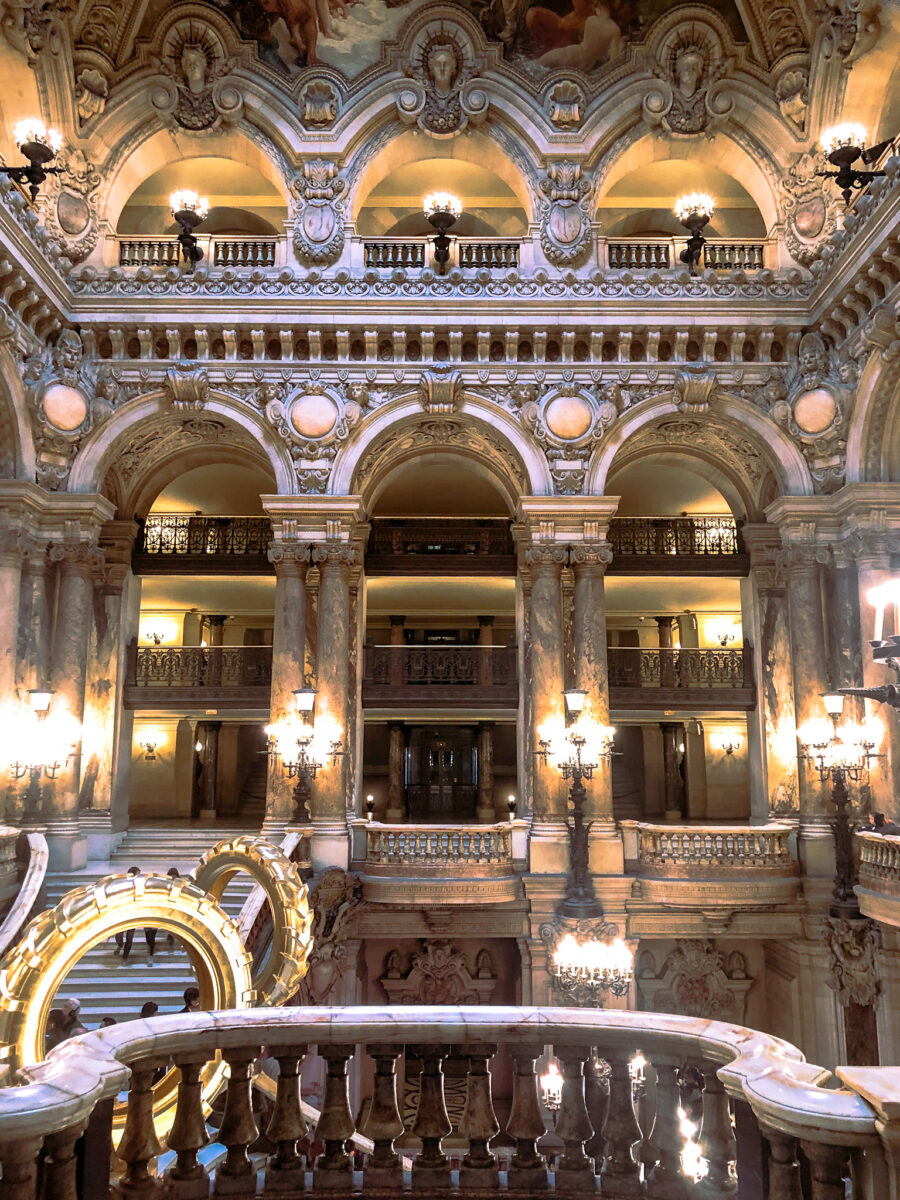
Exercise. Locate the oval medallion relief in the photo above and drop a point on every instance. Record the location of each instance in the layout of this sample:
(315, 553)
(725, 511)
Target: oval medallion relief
(64, 407)
(314, 416)
(568, 417)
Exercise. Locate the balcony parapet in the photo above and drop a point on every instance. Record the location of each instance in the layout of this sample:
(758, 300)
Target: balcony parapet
(878, 890)
(709, 545)
(786, 1098)
(641, 677)
(425, 546)
(445, 676)
(662, 253)
(230, 676)
(182, 543)
(710, 866)
(440, 864)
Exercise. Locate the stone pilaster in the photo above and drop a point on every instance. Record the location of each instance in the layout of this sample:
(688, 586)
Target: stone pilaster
(290, 558)
(14, 546)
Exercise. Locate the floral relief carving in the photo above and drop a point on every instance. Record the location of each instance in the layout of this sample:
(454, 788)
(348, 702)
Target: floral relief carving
(334, 900)
(695, 981)
(810, 210)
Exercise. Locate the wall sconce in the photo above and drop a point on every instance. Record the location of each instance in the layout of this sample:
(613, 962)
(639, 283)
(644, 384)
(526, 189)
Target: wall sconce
(511, 805)
(728, 741)
(442, 210)
(40, 146)
(725, 638)
(156, 638)
(370, 807)
(39, 700)
(694, 211)
(149, 749)
(189, 210)
(842, 146)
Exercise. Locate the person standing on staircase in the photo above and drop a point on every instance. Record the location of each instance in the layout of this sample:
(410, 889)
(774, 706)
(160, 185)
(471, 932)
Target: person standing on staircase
(125, 937)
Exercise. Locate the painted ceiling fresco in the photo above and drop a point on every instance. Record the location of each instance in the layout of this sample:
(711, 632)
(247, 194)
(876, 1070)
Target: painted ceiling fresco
(580, 35)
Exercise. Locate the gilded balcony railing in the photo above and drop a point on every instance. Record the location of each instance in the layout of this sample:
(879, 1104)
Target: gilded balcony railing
(737, 1087)
(183, 535)
(475, 538)
(203, 666)
(684, 670)
(708, 537)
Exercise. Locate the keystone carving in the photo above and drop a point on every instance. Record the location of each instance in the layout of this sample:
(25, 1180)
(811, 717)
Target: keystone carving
(186, 388)
(689, 96)
(441, 393)
(565, 221)
(694, 391)
(319, 227)
(443, 95)
(195, 88)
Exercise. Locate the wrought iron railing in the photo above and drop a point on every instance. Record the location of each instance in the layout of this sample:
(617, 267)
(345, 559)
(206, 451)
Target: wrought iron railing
(440, 666)
(183, 535)
(197, 667)
(710, 670)
(709, 537)
(427, 536)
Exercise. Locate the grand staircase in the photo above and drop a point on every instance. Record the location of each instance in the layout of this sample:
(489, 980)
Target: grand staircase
(109, 987)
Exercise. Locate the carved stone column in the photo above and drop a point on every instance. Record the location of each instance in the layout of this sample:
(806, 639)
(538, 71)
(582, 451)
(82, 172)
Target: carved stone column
(547, 673)
(78, 564)
(485, 809)
(35, 620)
(396, 807)
(13, 547)
(209, 780)
(329, 798)
(873, 565)
(290, 559)
(589, 563)
(672, 734)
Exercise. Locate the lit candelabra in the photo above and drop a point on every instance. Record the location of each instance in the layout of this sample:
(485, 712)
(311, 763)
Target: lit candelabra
(37, 746)
(293, 742)
(841, 753)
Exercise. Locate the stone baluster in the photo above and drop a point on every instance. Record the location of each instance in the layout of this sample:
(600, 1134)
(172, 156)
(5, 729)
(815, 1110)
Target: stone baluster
(573, 1125)
(784, 1168)
(287, 1125)
(60, 1163)
(139, 1144)
(527, 1168)
(333, 1169)
(188, 1178)
(621, 1132)
(665, 1180)
(826, 1166)
(236, 1176)
(479, 1122)
(716, 1141)
(383, 1122)
(431, 1168)
(19, 1161)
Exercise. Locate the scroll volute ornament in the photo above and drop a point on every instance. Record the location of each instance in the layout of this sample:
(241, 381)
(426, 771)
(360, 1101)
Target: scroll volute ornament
(319, 225)
(565, 220)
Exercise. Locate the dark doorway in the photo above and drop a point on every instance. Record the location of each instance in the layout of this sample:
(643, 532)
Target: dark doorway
(442, 773)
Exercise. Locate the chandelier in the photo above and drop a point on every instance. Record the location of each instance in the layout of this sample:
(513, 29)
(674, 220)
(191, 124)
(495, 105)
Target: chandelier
(593, 965)
(39, 145)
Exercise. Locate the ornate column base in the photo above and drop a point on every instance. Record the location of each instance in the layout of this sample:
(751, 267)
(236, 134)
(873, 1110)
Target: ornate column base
(815, 846)
(606, 853)
(330, 845)
(66, 844)
(101, 837)
(549, 846)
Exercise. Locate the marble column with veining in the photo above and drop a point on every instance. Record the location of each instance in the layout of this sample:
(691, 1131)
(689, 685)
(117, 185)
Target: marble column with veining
(79, 563)
(13, 546)
(329, 795)
(547, 675)
(810, 677)
(873, 565)
(290, 560)
(485, 809)
(35, 620)
(396, 807)
(589, 562)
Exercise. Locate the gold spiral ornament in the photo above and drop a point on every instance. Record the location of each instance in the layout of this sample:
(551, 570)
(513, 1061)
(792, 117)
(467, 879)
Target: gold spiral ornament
(288, 900)
(33, 971)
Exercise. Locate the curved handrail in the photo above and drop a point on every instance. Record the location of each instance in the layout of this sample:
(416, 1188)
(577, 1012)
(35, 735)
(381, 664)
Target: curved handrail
(784, 1091)
(29, 890)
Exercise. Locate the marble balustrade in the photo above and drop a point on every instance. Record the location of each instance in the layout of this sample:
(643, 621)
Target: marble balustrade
(774, 1094)
(878, 890)
(701, 846)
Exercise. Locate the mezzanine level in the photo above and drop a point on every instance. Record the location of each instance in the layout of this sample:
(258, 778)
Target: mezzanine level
(184, 543)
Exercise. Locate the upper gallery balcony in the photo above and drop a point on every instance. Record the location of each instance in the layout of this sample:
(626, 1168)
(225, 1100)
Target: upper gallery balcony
(184, 543)
(708, 545)
(430, 546)
(440, 675)
(223, 676)
(640, 677)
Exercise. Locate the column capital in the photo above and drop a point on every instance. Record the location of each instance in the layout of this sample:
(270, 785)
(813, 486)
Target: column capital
(334, 553)
(77, 555)
(286, 554)
(592, 555)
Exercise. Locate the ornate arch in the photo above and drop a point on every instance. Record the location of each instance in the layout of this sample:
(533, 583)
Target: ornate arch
(403, 430)
(735, 439)
(149, 432)
(873, 443)
(17, 459)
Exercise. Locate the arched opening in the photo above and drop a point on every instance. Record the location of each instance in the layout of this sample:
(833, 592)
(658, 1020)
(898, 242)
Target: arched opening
(440, 636)
(495, 196)
(242, 200)
(393, 208)
(642, 201)
(676, 608)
